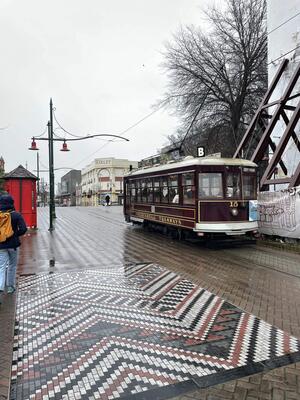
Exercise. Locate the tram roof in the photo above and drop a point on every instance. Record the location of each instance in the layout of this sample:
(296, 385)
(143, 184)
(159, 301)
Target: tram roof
(189, 162)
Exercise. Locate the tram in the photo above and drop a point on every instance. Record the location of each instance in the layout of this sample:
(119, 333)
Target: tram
(206, 197)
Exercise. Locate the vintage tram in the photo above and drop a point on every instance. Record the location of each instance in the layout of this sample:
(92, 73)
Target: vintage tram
(207, 197)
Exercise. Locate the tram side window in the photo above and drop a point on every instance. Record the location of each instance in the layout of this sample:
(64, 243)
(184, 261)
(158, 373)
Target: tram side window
(132, 193)
(144, 192)
(128, 194)
(233, 184)
(210, 185)
(249, 186)
(188, 188)
(173, 189)
(156, 190)
(138, 191)
(149, 184)
(164, 190)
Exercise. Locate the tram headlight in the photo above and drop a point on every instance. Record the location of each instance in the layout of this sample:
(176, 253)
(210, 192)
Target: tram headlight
(234, 212)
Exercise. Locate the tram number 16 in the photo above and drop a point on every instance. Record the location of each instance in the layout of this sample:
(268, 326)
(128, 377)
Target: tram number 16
(233, 204)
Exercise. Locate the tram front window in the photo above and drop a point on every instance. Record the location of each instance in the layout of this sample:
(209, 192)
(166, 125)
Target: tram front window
(249, 186)
(210, 185)
(233, 183)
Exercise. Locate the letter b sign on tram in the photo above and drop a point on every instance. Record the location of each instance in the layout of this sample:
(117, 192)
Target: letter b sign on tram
(201, 151)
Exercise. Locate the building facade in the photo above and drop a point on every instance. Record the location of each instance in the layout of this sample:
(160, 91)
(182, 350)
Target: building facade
(68, 185)
(104, 176)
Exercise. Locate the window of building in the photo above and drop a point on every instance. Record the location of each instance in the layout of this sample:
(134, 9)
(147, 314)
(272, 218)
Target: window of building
(210, 185)
(188, 188)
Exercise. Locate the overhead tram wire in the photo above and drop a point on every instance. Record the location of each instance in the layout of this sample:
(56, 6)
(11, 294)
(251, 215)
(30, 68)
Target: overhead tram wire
(122, 133)
(81, 137)
(62, 128)
(42, 134)
(283, 23)
(283, 55)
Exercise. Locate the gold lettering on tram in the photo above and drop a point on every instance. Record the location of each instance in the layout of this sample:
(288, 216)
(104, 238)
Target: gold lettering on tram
(160, 218)
(233, 204)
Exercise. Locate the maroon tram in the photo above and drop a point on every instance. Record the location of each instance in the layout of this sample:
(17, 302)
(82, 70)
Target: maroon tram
(206, 196)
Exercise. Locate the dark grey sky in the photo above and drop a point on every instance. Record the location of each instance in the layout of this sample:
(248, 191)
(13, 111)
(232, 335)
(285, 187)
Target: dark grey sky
(99, 61)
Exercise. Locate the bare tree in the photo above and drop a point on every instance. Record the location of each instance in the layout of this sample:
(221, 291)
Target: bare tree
(217, 78)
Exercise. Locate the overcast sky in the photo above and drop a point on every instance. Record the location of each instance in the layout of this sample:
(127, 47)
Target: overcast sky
(99, 61)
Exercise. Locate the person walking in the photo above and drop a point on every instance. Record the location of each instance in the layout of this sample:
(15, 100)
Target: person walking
(9, 247)
(107, 199)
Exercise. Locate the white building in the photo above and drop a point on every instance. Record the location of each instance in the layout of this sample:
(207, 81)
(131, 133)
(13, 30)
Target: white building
(104, 176)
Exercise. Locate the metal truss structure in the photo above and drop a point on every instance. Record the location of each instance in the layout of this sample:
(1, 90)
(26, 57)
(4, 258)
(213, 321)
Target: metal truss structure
(264, 122)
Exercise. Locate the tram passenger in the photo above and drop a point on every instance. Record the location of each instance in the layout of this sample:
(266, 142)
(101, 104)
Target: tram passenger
(176, 199)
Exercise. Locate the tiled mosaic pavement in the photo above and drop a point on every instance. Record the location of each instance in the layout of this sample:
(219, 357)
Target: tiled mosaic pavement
(135, 332)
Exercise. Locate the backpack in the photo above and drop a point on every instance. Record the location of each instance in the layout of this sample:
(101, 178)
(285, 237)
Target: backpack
(6, 230)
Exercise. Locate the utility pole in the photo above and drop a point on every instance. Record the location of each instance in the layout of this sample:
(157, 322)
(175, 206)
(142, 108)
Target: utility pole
(51, 189)
(38, 176)
(50, 140)
(51, 162)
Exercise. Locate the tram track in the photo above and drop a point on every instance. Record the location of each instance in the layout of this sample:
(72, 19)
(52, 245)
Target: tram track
(220, 253)
(242, 262)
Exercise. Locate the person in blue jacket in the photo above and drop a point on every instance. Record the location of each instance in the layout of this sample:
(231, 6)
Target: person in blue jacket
(9, 248)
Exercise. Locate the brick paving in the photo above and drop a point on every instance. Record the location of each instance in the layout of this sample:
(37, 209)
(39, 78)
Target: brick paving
(7, 311)
(261, 281)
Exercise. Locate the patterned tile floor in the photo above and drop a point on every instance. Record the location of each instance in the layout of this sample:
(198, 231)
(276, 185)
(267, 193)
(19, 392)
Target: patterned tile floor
(137, 331)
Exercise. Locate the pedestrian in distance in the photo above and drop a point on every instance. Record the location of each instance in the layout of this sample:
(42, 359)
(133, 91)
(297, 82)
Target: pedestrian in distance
(12, 226)
(107, 200)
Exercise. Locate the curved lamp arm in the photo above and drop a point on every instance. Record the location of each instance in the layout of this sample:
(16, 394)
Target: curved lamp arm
(82, 138)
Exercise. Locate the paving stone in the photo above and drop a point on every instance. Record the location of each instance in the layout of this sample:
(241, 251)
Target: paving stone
(264, 282)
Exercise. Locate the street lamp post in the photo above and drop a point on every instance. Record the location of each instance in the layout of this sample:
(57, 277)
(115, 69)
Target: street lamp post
(51, 162)
(51, 178)
(50, 140)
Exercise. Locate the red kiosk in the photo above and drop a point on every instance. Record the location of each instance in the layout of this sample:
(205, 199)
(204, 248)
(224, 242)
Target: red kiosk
(21, 184)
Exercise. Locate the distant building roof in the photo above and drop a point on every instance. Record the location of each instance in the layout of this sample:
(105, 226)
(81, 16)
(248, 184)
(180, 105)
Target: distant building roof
(21, 173)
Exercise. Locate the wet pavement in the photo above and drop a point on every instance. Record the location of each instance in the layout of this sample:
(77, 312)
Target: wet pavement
(107, 310)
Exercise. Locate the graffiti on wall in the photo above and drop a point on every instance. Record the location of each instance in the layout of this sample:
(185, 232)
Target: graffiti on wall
(279, 213)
